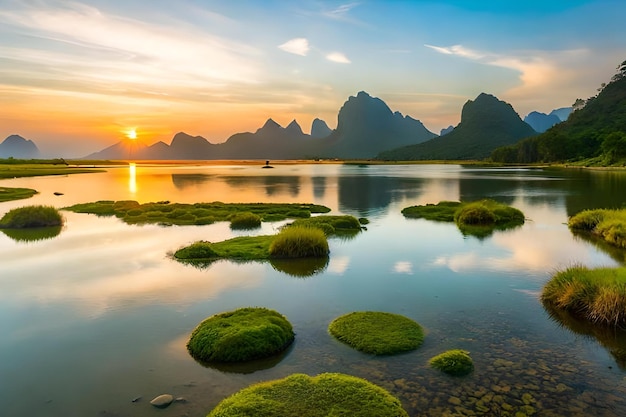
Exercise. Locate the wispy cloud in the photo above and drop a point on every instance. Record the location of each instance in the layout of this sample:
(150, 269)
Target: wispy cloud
(297, 46)
(459, 50)
(341, 12)
(338, 57)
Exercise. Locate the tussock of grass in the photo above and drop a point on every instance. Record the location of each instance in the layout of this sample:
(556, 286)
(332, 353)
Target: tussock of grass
(299, 242)
(331, 225)
(454, 362)
(240, 335)
(609, 225)
(477, 218)
(245, 221)
(31, 216)
(299, 395)
(597, 295)
(377, 333)
(167, 213)
(9, 194)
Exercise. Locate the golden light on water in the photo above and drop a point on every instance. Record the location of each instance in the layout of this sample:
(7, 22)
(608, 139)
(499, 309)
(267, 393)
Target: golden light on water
(132, 177)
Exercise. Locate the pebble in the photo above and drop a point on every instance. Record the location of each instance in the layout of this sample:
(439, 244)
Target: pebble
(162, 400)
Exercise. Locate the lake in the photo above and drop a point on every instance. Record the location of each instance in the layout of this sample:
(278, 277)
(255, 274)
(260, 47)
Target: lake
(99, 315)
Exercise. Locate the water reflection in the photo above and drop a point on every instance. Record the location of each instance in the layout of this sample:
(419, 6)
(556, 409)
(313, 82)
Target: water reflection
(299, 268)
(249, 366)
(132, 178)
(32, 234)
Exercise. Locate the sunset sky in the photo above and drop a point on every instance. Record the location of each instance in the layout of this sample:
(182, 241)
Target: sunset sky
(75, 77)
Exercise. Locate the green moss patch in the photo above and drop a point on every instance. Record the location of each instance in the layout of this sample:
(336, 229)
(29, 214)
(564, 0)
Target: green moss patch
(454, 362)
(299, 395)
(31, 216)
(597, 295)
(608, 225)
(477, 218)
(9, 194)
(167, 213)
(240, 335)
(377, 333)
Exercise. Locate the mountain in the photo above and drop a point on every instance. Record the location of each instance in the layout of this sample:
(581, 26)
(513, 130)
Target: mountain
(125, 149)
(597, 130)
(541, 121)
(17, 147)
(319, 129)
(367, 126)
(446, 130)
(486, 123)
(562, 113)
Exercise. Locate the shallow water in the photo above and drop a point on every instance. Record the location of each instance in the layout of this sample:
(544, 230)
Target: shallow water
(99, 315)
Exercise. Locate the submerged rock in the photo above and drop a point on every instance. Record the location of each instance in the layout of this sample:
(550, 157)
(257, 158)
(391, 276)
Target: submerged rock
(162, 400)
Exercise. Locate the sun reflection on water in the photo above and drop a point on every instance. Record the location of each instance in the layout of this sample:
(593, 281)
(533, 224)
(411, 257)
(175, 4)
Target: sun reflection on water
(132, 177)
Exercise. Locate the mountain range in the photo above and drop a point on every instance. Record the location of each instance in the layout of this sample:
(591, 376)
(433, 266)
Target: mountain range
(542, 122)
(17, 147)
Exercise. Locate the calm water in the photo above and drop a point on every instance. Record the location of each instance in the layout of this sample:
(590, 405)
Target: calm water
(99, 315)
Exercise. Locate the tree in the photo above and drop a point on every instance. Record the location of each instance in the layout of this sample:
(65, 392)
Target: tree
(614, 146)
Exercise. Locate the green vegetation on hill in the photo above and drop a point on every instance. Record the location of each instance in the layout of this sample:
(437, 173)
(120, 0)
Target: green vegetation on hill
(486, 123)
(8, 194)
(377, 333)
(597, 295)
(299, 395)
(595, 133)
(167, 213)
(241, 335)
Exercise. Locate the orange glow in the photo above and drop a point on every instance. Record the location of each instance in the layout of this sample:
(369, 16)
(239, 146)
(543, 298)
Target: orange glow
(131, 133)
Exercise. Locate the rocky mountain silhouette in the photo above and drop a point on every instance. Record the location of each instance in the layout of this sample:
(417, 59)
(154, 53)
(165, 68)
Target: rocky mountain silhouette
(562, 113)
(486, 123)
(446, 130)
(319, 129)
(541, 121)
(17, 147)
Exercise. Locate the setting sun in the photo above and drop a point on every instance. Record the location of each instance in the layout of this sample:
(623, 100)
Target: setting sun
(131, 134)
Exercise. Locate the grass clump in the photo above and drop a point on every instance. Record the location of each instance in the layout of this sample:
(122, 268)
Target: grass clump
(331, 225)
(245, 221)
(9, 194)
(240, 335)
(609, 225)
(164, 212)
(597, 295)
(454, 362)
(300, 395)
(299, 242)
(478, 218)
(377, 333)
(31, 216)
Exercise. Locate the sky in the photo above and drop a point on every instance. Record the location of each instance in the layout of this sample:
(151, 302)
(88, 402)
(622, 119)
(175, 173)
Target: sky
(78, 76)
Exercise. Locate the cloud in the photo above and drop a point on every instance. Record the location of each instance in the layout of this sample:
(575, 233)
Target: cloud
(340, 12)
(297, 46)
(456, 50)
(338, 57)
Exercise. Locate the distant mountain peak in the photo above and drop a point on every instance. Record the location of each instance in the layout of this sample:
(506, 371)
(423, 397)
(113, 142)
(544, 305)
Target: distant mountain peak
(294, 127)
(18, 147)
(319, 129)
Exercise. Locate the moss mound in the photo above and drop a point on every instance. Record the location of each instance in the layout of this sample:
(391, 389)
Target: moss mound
(377, 333)
(8, 194)
(241, 335)
(245, 221)
(31, 216)
(597, 295)
(299, 242)
(609, 225)
(453, 362)
(300, 395)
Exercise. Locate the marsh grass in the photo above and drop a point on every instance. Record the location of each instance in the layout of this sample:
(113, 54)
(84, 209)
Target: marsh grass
(166, 213)
(455, 362)
(30, 169)
(477, 218)
(609, 225)
(31, 216)
(299, 242)
(9, 194)
(377, 333)
(343, 225)
(245, 221)
(597, 295)
(300, 395)
(240, 335)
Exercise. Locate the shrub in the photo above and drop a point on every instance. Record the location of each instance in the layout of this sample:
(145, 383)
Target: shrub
(240, 335)
(377, 333)
(454, 362)
(299, 395)
(474, 214)
(31, 216)
(597, 295)
(245, 220)
(299, 242)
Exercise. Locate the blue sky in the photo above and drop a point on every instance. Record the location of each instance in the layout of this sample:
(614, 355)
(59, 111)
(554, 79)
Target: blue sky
(76, 76)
